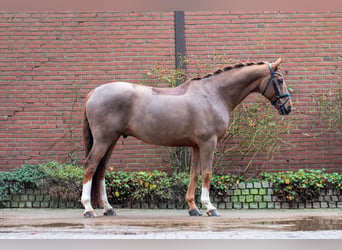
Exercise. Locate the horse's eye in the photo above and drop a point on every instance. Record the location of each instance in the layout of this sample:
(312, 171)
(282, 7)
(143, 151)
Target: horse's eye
(280, 81)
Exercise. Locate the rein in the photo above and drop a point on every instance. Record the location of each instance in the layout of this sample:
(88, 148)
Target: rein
(278, 96)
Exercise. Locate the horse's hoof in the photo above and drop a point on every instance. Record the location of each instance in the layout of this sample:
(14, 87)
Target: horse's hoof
(110, 212)
(195, 212)
(89, 214)
(213, 213)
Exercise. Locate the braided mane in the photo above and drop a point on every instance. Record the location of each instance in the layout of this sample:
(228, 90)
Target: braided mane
(227, 68)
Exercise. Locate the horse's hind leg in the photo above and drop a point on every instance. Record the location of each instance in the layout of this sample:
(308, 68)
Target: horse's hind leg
(98, 151)
(101, 173)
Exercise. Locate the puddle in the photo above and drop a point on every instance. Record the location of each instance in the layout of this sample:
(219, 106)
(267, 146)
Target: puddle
(307, 224)
(72, 225)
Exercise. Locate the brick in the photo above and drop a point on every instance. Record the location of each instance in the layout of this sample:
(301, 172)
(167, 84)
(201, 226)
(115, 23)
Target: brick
(254, 191)
(332, 204)
(257, 198)
(249, 198)
(265, 184)
(44, 204)
(316, 204)
(262, 191)
(270, 205)
(324, 204)
(253, 205)
(36, 204)
(285, 205)
(267, 198)
(23, 197)
(237, 205)
(234, 199)
(245, 192)
(249, 185)
(242, 198)
(14, 204)
(262, 205)
(237, 192)
(222, 205)
(22, 204)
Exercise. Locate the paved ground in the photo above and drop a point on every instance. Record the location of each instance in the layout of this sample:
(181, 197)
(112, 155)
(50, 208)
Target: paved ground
(171, 224)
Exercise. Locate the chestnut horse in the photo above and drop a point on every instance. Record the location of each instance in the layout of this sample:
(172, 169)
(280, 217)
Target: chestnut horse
(194, 114)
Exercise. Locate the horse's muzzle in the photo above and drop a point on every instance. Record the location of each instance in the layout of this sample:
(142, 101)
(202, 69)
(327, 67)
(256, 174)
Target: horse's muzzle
(285, 110)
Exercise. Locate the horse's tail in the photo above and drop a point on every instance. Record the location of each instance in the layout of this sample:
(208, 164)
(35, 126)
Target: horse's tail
(88, 144)
(87, 135)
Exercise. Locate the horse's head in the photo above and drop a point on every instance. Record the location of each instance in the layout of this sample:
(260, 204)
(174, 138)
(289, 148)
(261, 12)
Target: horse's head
(274, 89)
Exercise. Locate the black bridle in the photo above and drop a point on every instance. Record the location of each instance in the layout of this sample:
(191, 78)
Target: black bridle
(276, 89)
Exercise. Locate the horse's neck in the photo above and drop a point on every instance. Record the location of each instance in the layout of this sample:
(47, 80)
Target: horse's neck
(236, 85)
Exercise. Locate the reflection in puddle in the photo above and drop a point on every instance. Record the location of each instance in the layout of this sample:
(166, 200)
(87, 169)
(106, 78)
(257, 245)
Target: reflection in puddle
(72, 225)
(308, 224)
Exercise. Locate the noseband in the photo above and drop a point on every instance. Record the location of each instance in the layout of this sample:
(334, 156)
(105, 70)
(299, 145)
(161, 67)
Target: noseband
(276, 89)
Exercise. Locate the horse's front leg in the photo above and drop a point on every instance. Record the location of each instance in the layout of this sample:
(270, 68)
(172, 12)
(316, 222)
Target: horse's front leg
(207, 155)
(194, 174)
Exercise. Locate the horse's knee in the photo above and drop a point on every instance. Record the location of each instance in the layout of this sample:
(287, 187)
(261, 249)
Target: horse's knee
(206, 176)
(89, 172)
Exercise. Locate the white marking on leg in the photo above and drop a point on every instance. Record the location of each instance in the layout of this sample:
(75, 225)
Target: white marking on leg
(205, 199)
(86, 193)
(104, 199)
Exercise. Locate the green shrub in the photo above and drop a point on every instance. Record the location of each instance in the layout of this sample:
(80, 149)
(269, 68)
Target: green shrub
(17, 179)
(149, 187)
(302, 185)
(62, 180)
(220, 184)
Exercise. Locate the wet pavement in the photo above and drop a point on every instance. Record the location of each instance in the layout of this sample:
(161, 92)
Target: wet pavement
(171, 224)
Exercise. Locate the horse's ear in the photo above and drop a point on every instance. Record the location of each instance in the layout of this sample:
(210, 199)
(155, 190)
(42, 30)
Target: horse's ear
(277, 63)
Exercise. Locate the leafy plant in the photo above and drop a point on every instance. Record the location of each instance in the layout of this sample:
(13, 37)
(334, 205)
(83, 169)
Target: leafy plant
(16, 180)
(220, 184)
(140, 186)
(255, 128)
(329, 105)
(302, 185)
(62, 180)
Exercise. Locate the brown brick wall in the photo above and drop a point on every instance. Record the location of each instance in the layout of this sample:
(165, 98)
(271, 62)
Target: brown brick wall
(49, 61)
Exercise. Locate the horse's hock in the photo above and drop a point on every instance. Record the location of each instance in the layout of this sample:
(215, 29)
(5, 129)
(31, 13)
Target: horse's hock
(241, 196)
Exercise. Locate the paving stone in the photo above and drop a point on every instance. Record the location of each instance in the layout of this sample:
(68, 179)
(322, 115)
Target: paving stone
(237, 205)
(285, 205)
(237, 192)
(316, 205)
(253, 205)
(262, 205)
(254, 191)
(265, 184)
(257, 185)
(257, 198)
(267, 198)
(249, 198)
(249, 185)
(242, 198)
(245, 192)
(324, 205)
(262, 191)
(270, 205)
